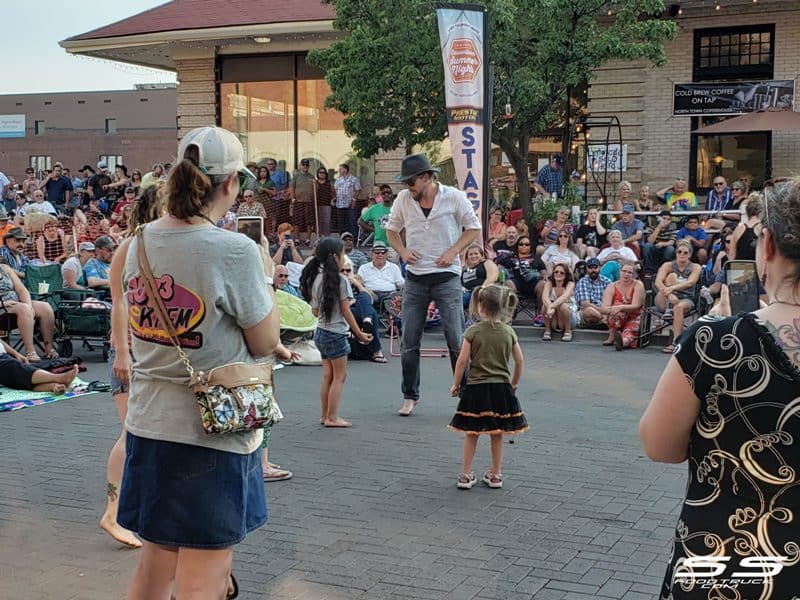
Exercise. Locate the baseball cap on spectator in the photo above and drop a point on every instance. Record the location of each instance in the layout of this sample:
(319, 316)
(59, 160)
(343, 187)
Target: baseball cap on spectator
(102, 165)
(559, 160)
(575, 175)
(305, 162)
(628, 208)
(105, 241)
(3, 214)
(86, 247)
(219, 152)
(592, 262)
(16, 233)
(345, 234)
(379, 247)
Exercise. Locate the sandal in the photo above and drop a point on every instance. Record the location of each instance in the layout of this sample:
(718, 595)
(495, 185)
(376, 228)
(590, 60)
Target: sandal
(567, 337)
(547, 336)
(668, 349)
(493, 480)
(273, 474)
(379, 359)
(33, 357)
(466, 481)
(608, 342)
(52, 354)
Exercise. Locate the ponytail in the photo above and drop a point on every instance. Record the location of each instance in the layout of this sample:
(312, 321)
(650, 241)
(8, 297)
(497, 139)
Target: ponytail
(189, 190)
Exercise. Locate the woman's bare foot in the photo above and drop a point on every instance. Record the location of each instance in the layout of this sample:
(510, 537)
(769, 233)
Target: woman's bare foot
(67, 378)
(119, 533)
(337, 422)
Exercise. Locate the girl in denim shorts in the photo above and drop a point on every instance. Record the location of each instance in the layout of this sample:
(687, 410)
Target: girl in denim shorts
(330, 294)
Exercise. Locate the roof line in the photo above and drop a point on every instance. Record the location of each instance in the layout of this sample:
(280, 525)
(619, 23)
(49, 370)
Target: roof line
(140, 13)
(78, 46)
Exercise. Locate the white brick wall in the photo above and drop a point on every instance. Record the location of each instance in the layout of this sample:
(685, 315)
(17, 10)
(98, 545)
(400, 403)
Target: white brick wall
(658, 143)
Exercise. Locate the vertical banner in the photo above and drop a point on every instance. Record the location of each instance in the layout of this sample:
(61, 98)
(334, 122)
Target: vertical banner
(463, 38)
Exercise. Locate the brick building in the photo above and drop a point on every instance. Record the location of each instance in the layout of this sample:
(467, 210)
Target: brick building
(134, 127)
(742, 41)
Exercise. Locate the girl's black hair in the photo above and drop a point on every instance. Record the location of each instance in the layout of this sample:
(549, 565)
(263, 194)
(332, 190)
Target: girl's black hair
(325, 260)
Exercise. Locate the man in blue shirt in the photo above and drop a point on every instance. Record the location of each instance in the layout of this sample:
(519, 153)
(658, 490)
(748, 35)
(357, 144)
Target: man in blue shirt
(631, 229)
(697, 237)
(277, 176)
(96, 269)
(57, 188)
(719, 198)
(550, 179)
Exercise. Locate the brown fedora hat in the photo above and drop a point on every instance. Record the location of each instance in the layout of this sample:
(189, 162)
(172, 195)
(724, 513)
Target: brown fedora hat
(414, 165)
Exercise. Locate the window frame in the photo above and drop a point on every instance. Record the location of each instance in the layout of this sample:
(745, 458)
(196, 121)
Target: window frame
(733, 72)
(111, 160)
(111, 125)
(39, 127)
(34, 161)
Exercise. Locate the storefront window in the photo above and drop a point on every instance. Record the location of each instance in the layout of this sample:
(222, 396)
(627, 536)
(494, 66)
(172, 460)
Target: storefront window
(275, 104)
(732, 156)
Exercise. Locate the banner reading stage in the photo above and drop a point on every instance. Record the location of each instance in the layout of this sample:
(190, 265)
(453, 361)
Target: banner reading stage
(732, 98)
(462, 34)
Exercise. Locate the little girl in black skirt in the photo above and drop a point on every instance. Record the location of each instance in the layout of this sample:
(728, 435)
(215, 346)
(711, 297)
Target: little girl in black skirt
(488, 404)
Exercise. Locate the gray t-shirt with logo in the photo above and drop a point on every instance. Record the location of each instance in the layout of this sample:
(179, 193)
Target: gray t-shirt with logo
(213, 286)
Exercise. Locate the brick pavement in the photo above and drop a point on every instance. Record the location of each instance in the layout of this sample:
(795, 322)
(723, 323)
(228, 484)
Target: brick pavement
(373, 512)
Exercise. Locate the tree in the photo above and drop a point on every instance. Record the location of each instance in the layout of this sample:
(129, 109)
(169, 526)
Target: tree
(387, 77)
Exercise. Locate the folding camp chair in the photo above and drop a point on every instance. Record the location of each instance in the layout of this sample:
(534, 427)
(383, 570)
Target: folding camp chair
(393, 308)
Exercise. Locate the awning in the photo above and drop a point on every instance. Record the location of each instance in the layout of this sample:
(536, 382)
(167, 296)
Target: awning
(771, 119)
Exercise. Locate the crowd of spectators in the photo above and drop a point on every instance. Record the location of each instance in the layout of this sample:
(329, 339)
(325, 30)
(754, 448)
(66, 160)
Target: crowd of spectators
(560, 268)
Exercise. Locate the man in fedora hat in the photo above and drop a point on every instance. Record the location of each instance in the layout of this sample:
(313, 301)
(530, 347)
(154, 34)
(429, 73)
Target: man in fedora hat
(439, 222)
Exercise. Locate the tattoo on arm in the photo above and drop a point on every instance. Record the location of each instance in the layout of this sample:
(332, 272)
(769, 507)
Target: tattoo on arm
(112, 492)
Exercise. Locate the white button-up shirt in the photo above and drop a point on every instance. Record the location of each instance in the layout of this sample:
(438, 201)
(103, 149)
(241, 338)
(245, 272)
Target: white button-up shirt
(430, 236)
(387, 279)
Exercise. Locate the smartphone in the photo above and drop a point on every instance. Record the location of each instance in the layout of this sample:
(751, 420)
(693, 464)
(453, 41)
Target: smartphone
(252, 227)
(742, 280)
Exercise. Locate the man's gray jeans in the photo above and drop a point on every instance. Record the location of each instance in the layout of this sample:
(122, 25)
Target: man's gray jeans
(416, 298)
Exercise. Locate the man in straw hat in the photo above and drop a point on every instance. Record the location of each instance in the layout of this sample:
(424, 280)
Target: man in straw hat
(439, 222)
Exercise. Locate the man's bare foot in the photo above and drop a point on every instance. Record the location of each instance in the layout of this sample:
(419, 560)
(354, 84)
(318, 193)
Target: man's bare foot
(337, 422)
(408, 406)
(119, 533)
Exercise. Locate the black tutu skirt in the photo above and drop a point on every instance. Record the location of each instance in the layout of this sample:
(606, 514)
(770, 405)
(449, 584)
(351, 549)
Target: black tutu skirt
(489, 408)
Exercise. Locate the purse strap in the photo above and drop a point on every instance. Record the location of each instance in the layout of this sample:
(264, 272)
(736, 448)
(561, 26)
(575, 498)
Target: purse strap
(157, 303)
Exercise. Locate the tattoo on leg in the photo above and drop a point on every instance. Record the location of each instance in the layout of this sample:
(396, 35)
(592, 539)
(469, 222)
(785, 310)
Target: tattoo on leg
(112, 492)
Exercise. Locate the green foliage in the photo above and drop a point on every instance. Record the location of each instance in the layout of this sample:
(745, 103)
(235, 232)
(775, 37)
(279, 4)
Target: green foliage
(386, 73)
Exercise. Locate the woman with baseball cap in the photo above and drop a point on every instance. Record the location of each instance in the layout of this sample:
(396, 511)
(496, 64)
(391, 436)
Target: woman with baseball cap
(188, 495)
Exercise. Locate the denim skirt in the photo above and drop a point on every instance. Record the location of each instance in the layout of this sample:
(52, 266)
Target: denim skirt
(190, 496)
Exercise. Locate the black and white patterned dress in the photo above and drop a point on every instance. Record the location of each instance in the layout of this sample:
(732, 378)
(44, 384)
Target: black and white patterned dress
(743, 494)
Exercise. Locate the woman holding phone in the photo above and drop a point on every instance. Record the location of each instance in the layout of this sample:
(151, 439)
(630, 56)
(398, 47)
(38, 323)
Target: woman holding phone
(727, 404)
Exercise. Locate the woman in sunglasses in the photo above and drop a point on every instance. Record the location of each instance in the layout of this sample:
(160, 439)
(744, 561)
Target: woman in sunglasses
(675, 282)
(558, 304)
(561, 253)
